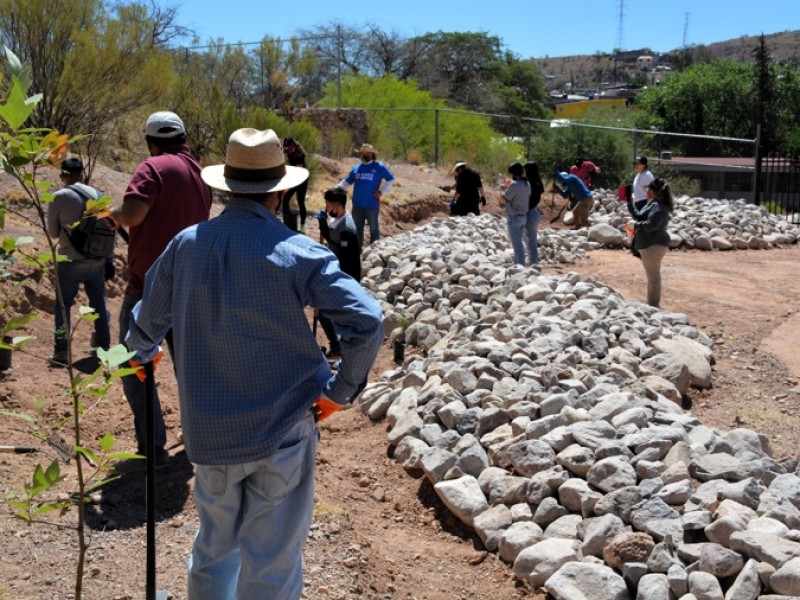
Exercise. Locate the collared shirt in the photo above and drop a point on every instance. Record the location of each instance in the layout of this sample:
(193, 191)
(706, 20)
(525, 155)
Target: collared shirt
(234, 290)
(176, 196)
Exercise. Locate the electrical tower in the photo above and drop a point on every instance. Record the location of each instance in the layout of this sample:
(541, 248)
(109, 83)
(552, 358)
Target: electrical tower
(621, 26)
(685, 29)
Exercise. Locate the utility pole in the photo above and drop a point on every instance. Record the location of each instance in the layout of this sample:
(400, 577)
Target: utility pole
(339, 66)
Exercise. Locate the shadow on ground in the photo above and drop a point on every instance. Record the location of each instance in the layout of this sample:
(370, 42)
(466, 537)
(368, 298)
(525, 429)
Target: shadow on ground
(123, 501)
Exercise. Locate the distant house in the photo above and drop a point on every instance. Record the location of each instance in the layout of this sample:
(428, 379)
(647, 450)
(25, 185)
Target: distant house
(719, 177)
(644, 62)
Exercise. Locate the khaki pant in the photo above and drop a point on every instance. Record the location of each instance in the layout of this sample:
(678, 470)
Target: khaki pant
(580, 214)
(651, 260)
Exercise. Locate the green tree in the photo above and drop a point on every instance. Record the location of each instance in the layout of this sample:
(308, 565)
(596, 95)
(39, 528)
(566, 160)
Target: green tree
(411, 127)
(277, 67)
(24, 152)
(91, 66)
(765, 95)
(706, 99)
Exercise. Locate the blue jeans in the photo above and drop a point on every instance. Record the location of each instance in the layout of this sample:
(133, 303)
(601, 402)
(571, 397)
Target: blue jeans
(518, 226)
(370, 215)
(135, 391)
(90, 273)
(254, 521)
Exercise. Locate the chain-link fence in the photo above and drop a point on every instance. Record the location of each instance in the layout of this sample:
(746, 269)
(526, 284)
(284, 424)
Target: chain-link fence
(711, 166)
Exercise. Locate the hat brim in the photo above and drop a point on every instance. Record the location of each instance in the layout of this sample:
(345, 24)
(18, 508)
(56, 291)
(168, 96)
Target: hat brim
(215, 177)
(458, 166)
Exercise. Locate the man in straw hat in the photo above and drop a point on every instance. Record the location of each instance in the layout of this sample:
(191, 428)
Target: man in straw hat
(165, 195)
(251, 376)
(373, 180)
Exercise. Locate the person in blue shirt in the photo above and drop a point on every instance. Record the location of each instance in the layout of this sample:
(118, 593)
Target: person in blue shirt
(251, 378)
(372, 181)
(580, 197)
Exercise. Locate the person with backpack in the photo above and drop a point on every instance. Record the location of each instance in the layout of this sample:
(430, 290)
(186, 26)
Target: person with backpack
(83, 268)
(165, 195)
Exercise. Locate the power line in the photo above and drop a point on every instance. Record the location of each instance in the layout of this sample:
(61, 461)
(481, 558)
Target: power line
(310, 38)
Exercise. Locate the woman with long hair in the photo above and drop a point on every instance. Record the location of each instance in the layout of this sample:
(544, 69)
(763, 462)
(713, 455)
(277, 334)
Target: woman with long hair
(516, 199)
(650, 236)
(532, 224)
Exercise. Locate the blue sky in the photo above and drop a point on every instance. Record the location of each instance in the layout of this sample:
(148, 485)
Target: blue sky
(529, 28)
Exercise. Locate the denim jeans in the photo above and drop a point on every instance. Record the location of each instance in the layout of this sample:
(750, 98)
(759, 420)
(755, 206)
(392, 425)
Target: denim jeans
(254, 521)
(520, 226)
(135, 391)
(71, 275)
(370, 215)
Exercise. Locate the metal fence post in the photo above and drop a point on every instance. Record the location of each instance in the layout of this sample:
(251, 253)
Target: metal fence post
(436, 136)
(757, 174)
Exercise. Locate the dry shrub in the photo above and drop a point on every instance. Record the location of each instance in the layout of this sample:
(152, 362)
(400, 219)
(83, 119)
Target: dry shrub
(414, 157)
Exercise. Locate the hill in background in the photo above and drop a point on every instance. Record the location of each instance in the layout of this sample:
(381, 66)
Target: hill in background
(590, 70)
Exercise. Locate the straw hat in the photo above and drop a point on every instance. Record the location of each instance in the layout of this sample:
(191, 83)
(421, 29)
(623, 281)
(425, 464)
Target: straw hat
(367, 149)
(254, 164)
(458, 165)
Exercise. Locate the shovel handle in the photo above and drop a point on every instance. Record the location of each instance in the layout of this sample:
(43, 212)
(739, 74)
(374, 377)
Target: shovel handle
(18, 449)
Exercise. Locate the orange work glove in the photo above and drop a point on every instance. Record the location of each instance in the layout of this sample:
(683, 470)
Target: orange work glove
(140, 369)
(629, 229)
(324, 408)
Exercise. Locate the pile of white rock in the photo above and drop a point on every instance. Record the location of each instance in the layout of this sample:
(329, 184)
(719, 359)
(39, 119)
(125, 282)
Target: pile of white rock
(546, 412)
(699, 223)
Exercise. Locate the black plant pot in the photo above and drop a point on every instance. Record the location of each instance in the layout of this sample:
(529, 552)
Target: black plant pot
(399, 351)
(5, 355)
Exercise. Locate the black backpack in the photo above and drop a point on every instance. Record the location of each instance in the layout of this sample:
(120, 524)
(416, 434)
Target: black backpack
(91, 237)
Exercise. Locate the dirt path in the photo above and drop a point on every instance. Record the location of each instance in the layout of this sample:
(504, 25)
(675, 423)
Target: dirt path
(746, 301)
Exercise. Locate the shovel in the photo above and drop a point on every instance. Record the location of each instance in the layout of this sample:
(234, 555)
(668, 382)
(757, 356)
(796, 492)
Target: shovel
(150, 493)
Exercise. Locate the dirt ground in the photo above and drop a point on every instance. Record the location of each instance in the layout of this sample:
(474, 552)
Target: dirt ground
(378, 533)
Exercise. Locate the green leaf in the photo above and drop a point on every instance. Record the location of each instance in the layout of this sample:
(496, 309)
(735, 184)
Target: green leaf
(50, 507)
(124, 456)
(18, 322)
(107, 442)
(21, 416)
(17, 108)
(20, 341)
(87, 453)
(116, 355)
(102, 482)
(23, 241)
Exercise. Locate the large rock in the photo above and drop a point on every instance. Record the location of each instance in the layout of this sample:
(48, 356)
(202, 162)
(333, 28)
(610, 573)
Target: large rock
(627, 548)
(704, 586)
(694, 355)
(765, 547)
(463, 497)
(747, 585)
(653, 586)
(605, 234)
(719, 561)
(786, 580)
(671, 368)
(586, 581)
(538, 562)
(517, 537)
(491, 524)
(531, 456)
(611, 474)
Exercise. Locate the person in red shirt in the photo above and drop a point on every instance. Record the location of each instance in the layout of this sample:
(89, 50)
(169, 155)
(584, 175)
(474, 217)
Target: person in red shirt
(165, 196)
(584, 169)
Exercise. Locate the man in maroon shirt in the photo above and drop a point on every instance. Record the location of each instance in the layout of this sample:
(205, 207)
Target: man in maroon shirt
(165, 195)
(584, 169)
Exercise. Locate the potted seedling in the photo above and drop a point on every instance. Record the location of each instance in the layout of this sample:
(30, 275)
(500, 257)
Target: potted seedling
(399, 345)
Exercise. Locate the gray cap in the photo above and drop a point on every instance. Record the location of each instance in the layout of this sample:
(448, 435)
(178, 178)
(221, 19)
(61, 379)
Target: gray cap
(164, 124)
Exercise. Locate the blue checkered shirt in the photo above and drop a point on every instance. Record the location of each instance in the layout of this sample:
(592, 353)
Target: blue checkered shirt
(234, 290)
